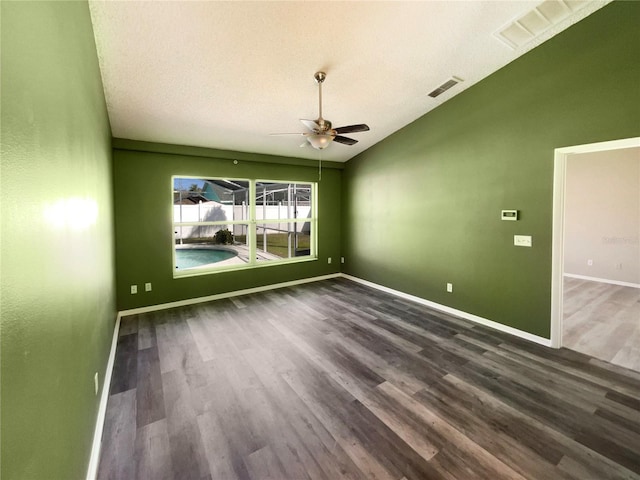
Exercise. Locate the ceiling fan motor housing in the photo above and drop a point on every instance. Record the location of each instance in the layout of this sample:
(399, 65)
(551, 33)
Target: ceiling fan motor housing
(324, 125)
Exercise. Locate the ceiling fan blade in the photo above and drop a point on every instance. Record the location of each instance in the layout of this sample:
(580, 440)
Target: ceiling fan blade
(311, 125)
(344, 140)
(352, 128)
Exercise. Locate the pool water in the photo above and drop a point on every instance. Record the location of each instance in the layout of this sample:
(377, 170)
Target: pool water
(196, 257)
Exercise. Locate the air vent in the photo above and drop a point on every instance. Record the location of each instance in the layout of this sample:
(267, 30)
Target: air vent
(535, 22)
(445, 86)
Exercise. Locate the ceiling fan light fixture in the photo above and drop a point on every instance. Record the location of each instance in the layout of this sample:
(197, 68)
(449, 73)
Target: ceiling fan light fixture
(319, 141)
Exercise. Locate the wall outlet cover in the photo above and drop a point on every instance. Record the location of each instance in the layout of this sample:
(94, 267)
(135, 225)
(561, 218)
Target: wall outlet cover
(522, 240)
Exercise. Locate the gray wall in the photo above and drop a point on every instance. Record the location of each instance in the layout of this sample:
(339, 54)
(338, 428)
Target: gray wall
(602, 215)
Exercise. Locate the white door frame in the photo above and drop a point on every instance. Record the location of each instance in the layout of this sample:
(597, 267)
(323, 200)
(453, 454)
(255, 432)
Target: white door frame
(557, 256)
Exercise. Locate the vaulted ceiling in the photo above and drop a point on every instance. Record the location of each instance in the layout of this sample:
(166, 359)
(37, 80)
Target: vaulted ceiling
(226, 74)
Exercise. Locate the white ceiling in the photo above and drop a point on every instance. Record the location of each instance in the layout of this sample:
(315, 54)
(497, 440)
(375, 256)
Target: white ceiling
(227, 74)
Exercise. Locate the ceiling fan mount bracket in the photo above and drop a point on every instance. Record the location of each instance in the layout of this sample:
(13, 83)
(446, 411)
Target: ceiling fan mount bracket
(320, 76)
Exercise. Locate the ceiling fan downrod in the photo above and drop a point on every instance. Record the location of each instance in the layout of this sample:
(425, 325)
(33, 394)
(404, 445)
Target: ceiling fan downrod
(322, 123)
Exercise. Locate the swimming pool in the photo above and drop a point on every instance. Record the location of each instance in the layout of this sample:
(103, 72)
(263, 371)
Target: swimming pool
(197, 257)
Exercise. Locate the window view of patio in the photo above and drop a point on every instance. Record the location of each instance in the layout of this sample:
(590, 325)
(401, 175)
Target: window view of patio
(222, 224)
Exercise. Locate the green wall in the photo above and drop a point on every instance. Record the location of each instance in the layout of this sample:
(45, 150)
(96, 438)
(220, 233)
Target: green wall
(58, 294)
(422, 207)
(143, 212)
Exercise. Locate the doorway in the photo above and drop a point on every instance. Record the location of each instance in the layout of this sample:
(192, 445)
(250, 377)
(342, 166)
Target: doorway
(586, 292)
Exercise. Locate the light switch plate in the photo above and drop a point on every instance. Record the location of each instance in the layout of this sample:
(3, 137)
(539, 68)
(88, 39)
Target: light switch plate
(522, 240)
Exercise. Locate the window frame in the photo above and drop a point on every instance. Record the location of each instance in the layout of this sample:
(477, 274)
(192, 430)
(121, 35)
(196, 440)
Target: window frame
(252, 224)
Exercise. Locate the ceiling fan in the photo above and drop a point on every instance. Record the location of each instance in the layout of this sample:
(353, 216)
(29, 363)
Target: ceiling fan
(321, 134)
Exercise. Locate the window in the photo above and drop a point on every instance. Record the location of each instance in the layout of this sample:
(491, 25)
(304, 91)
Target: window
(222, 224)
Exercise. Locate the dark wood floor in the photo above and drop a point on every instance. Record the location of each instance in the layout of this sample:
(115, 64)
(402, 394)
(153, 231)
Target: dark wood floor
(334, 380)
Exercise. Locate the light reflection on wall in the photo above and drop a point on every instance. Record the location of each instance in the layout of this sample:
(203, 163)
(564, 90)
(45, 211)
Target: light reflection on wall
(72, 224)
(74, 213)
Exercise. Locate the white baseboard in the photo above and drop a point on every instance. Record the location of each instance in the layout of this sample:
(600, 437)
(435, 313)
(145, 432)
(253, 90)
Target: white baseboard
(209, 298)
(94, 459)
(458, 313)
(602, 280)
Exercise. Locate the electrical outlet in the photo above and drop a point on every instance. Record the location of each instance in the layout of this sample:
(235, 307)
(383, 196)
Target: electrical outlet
(134, 289)
(96, 383)
(341, 259)
(329, 260)
(590, 262)
(450, 287)
(147, 287)
(618, 266)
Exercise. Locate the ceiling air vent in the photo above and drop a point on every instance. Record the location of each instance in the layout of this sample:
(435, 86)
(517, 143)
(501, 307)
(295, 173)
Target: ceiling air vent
(445, 86)
(535, 22)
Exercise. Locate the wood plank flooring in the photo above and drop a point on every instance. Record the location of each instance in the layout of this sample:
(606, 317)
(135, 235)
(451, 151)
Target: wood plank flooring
(333, 380)
(602, 320)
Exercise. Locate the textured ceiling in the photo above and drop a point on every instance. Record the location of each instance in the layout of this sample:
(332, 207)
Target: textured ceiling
(227, 74)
